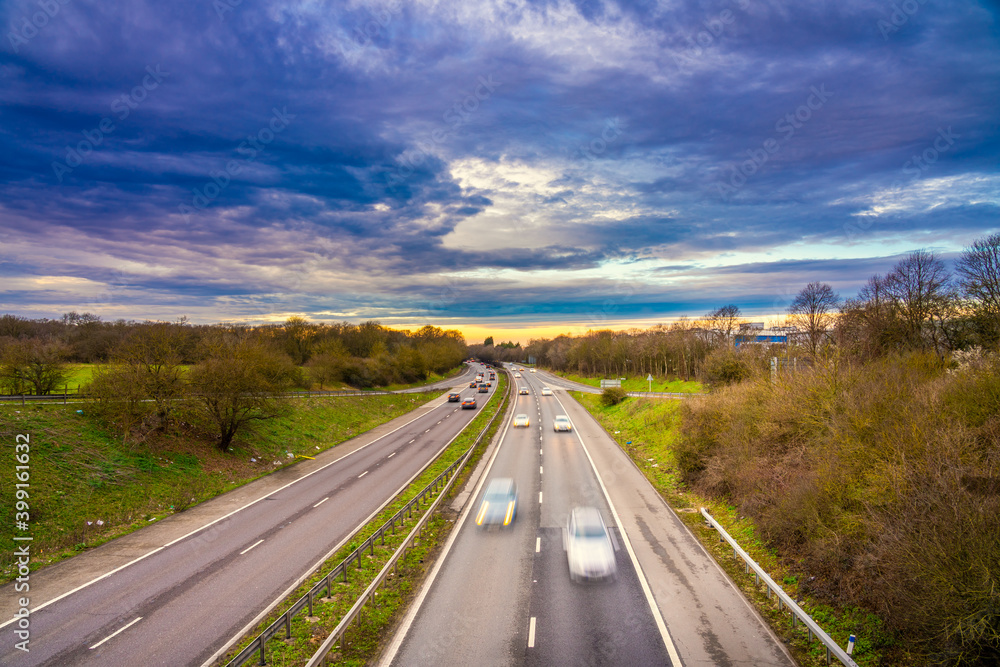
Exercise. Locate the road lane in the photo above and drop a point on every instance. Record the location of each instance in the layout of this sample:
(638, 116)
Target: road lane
(209, 585)
(479, 606)
(470, 615)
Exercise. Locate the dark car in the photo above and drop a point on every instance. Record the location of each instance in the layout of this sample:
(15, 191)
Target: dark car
(473, 385)
(454, 397)
(469, 404)
(484, 389)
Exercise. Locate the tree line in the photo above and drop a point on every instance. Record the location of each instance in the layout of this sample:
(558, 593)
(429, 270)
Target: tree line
(918, 305)
(235, 374)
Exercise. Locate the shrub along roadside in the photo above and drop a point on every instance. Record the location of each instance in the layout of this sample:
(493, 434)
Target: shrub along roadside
(648, 430)
(882, 480)
(368, 634)
(88, 487)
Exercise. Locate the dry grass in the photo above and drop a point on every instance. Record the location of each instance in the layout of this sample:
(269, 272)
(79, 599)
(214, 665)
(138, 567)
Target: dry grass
(882, 480)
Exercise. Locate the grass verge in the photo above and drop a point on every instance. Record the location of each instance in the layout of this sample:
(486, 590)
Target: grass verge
(639, 383)
(88, 487)
(647, 429)
(366, 637)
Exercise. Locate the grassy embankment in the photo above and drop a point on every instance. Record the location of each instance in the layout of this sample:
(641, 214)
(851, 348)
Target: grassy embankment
(639, 383)
(87, 487)
(648, 430)
(368, 635)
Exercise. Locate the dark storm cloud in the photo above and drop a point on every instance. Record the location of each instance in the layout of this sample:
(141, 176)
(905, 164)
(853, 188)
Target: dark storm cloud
(220, 150)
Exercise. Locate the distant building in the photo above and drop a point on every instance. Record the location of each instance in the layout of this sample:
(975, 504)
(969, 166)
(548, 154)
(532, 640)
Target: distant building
(754, 333)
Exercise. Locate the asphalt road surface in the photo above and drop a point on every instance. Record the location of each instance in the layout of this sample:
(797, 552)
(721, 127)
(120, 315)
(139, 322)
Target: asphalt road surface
(180, 602)
(504, 596)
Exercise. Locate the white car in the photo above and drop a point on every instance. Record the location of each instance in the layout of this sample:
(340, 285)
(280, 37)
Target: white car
(546, 391)
(532, 370)
(562, 423)
(523, 391)
(521, 420)
(589, 549)
(517, 375)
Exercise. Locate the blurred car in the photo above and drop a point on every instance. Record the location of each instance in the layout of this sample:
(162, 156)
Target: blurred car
(562, 423)
(589, 549)
(473, 385)
(523, 391)
(454, 397)
(499, 506)
(521, 420)
(546, 391)
(532, 370)
(469, 404)
(483, 389)
(517, 375)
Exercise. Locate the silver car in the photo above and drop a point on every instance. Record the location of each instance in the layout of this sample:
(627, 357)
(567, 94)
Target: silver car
(589, 547)
(499, 505)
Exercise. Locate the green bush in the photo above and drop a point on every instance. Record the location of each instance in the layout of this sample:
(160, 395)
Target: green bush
(613, 396)
(725, 366)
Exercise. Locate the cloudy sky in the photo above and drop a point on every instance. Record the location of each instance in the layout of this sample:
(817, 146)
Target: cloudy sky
(516, 167)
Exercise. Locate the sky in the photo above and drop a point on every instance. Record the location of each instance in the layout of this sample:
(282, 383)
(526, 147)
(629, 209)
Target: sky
(515, 168)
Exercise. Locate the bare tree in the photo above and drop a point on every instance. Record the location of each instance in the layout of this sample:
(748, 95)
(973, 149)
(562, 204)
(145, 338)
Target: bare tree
(726, 321)
(34, 364)
(240, 381)
(919, 286)
(978, 270)
(813, 310)
(140, 384)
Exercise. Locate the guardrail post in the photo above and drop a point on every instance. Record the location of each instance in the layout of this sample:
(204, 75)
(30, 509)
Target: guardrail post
(262, 660)
(288, 625)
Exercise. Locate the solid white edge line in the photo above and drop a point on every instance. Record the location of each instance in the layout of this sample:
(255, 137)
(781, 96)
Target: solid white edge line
(251, 547)
(647, 591)
(119, 630)
(221, 518)
(411, 614)
(291, 589)
(531, 633)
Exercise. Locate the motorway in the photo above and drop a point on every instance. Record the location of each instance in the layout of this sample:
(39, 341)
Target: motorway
(503, 596)
(181, 592)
